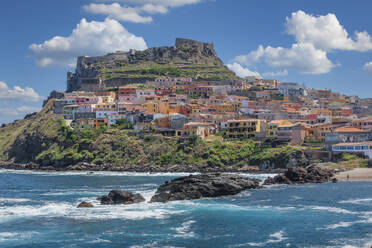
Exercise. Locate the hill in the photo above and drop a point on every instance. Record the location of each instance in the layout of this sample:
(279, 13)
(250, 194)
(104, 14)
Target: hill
(187, 58)
(45, 139)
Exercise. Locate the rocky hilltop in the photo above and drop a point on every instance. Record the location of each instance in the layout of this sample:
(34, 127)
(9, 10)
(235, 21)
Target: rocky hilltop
(187, 58)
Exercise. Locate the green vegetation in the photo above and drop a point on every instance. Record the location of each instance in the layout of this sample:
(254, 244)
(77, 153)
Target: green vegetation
(348, 161)
(154, 70)
(279, 156)
(123, 124)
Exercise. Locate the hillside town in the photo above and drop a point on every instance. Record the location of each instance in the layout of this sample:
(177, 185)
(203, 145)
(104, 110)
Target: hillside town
(266, 110)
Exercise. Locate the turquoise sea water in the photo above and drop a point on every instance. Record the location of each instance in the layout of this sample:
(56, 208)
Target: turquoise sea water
(39, 210)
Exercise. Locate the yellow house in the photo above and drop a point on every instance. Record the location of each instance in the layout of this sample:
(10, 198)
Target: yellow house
(223, 108)
(243, 128)
(272, 127)
(151, 107)
(201, 129)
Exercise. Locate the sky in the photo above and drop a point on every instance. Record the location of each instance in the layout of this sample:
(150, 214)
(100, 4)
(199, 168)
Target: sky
(322, 44)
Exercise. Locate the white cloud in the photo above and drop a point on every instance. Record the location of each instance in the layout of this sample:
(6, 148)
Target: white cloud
(134, 13)
(165, 3)
(251, 58)
(325, 32)
(302, 57)
(368, 67)
(17, 93)
(241, 71)
(154, 9)
(88, 38)
(275, 73)
(22, 110)
(117, 12)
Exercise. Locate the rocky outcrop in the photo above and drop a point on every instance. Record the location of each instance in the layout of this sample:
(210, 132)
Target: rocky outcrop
(85, 204)
(299, 175)
(203, 185)
(121, 197)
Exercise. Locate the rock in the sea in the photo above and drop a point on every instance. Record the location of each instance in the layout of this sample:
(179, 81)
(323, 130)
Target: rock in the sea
(85, 204)
(203, 185)
(299, 175)
(121, 197)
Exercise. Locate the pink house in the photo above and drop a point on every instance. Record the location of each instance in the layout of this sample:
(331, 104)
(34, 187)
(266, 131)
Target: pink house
(86, 100)
(129, 99)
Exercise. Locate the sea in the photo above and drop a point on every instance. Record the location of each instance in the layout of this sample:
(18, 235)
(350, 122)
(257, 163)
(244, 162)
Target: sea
(38, 209)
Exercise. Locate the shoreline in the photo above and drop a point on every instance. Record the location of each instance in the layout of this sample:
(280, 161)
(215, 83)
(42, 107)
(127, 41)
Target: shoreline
(133, 168)
(355, 175)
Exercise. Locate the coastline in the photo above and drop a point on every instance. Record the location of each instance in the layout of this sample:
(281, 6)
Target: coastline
(135, 168)
(359, 174)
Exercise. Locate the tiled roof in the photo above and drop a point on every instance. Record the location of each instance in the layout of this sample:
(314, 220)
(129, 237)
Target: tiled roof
(349, 129)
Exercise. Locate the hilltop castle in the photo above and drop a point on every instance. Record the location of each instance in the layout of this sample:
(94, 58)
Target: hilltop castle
(121, 68)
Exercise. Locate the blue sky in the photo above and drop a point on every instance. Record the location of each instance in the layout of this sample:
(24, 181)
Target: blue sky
(323, 44)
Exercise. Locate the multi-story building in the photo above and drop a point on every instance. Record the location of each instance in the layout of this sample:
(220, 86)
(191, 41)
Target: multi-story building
(243, 128)
(127, 90)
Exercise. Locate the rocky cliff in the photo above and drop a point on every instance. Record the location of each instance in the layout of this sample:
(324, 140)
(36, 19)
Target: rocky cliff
(187, 58)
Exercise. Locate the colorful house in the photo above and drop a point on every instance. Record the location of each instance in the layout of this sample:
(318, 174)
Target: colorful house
(243, 128)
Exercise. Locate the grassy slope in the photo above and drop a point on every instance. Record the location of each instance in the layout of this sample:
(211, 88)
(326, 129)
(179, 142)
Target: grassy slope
(153, 70)
(44, 124)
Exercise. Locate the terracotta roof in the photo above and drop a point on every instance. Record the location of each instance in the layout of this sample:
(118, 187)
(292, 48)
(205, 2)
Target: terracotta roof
(349, 129)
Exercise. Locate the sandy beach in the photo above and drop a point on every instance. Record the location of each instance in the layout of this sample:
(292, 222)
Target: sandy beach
(360, 174)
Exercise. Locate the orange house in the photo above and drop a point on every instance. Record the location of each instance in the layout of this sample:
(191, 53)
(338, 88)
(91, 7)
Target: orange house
(100, 122)
(127, 90)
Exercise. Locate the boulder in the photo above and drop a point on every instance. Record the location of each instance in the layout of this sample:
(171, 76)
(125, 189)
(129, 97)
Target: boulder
(121, 197)
(300, 175)
(85, 204)
(203, 185)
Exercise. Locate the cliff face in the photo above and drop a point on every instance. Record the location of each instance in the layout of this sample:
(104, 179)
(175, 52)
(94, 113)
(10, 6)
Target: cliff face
(187, 58)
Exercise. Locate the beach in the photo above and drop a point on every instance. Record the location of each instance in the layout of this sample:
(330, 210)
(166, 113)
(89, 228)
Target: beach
(360, 174)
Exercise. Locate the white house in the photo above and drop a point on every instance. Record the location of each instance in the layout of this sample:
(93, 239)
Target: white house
(104, 114)
(356, 147)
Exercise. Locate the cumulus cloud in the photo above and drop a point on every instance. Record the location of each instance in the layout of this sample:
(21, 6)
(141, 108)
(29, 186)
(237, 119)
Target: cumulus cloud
(165, 3)
(17, 93)
(275, 73)
(325, 32)
(241, 71)
(302, 57)
(117, 12)
(88, 38)
(22, 110)
(315, 36)
(368, 67)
